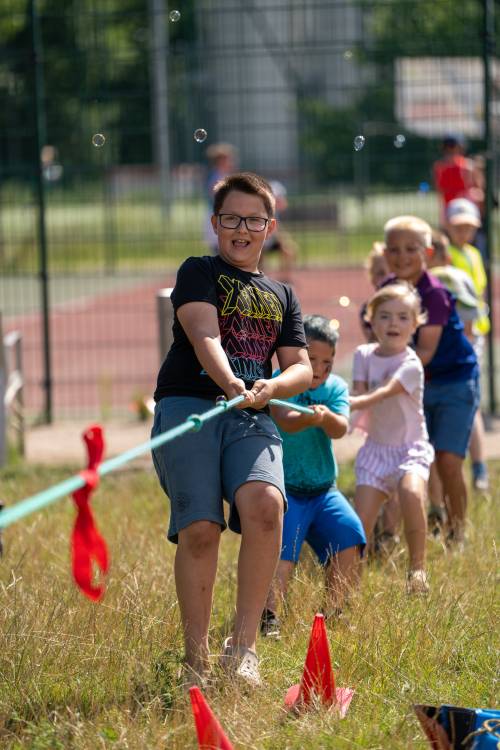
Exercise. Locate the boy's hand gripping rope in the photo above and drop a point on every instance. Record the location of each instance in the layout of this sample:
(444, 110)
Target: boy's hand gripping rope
(221, 400)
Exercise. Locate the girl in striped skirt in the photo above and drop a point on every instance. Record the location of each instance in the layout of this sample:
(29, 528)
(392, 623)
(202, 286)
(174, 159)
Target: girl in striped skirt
(388, 383)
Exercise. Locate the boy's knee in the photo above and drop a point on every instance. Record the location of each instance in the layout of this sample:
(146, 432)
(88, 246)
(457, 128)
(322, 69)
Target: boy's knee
(263, 506)
(200, 537)
(269, 514)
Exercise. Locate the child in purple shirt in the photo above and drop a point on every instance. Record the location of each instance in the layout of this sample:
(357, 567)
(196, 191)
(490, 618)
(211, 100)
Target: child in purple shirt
(451, 394)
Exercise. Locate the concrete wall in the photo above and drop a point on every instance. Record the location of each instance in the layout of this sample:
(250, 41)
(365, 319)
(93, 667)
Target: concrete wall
(260, 54)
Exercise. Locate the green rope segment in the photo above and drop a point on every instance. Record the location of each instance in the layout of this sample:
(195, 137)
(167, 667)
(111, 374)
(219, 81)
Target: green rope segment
(193, 423)
(290, 405)
(52, 494)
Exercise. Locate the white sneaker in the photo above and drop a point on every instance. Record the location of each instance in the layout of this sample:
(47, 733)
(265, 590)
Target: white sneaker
(417, 583)
(243, 662)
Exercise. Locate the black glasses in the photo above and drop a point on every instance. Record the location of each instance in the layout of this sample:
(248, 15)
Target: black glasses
(252, 223)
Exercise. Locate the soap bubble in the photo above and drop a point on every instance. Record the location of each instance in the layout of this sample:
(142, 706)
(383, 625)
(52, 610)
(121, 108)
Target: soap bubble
(174, 15)
(344, 301)
(200, 135)
(399, 141)
(98, 140)
(348, 54)
(359, 142)
(335, 324)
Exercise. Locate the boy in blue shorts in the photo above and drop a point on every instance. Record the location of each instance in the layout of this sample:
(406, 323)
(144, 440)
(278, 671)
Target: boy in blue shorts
(317, 513)
(229, 321)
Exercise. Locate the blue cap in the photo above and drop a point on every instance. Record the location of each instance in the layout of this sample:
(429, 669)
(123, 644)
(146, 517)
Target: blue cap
(453, 139)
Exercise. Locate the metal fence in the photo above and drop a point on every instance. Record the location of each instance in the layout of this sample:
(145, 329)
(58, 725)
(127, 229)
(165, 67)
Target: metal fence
(103, 182)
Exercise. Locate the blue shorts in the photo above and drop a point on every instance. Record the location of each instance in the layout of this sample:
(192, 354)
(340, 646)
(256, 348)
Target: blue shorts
(327, 522)
(199, 469)
(449, 412)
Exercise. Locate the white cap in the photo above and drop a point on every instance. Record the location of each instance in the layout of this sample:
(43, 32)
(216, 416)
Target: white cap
(463, 211)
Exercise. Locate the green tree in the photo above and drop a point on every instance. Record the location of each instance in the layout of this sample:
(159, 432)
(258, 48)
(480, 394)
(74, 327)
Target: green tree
(96, 60)
(392, 29)
(405, 28)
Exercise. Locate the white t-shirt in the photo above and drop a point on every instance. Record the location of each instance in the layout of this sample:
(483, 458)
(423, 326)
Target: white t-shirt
(397, 420)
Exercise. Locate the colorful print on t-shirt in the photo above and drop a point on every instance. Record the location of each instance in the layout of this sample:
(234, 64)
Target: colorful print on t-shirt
(250, 321)
(256, 316)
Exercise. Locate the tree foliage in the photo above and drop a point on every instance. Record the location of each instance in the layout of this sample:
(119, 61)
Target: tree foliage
(392, 29)
(96, 61)
(405, 28)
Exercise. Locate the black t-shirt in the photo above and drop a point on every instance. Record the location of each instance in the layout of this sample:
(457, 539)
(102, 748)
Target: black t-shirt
(256, 315)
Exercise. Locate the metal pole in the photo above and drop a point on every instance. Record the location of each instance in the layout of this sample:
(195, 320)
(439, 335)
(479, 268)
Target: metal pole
(488, 51)
(3, 415)
(39, 112)
(159, 77)
(18, 354)
(165, 313)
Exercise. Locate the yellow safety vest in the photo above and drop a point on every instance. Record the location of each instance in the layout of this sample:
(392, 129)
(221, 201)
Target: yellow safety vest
(468, 258)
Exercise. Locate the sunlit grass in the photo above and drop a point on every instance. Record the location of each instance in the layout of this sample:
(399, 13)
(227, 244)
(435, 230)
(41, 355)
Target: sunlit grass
(78, 675)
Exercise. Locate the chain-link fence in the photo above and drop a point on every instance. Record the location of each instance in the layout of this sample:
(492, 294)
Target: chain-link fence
(104, 170)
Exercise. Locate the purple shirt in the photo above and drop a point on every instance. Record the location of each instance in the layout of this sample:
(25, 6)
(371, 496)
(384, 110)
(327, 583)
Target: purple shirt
(436, 300)
(454, 358)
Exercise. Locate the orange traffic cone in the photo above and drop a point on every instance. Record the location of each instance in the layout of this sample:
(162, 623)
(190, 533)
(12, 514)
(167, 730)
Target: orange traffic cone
(318, 679)
(208, 729)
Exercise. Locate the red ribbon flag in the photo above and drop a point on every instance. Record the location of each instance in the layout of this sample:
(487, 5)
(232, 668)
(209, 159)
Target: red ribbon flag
(87, 544)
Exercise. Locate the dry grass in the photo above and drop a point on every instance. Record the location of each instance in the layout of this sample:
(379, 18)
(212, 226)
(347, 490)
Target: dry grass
(78, 675)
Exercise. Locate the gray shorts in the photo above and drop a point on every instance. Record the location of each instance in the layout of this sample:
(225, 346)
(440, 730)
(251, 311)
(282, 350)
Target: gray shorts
(199, 469)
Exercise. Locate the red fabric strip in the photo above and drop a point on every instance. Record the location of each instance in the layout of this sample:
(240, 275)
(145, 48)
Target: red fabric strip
(87, 544)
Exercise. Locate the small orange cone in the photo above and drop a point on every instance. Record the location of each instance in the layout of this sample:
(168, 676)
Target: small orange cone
(208, 729)
(318, 678)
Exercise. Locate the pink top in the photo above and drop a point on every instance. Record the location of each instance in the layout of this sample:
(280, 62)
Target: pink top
(397, 420)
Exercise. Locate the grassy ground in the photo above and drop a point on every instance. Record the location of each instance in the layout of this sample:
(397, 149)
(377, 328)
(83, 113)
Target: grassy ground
(78, 675)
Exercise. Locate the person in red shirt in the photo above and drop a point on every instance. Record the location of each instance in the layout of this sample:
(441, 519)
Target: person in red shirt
(455, 175)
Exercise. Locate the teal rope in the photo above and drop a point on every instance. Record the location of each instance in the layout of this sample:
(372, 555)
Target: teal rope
(290, 405)
(50, 495)
(193, 423)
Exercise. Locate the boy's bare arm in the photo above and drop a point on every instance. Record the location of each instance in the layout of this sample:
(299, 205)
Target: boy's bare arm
(201, 326)
(392, 388)
(296, 371)
(289, 420)
(335, 425)
(293, 421)
(295, 377)
(428, 341)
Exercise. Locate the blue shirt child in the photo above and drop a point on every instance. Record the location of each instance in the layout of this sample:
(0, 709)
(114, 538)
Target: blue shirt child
(308, 458)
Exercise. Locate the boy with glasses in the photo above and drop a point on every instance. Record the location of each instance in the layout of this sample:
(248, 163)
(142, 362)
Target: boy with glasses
(229, 321)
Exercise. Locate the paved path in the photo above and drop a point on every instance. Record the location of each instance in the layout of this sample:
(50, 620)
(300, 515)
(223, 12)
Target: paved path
(61, 443)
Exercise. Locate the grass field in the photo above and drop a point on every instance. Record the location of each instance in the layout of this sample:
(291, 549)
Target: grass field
(78, 675)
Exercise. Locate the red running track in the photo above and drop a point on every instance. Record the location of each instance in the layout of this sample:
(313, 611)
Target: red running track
(105, 349)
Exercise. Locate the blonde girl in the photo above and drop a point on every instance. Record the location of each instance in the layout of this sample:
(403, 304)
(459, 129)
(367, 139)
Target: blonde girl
(388, 383)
